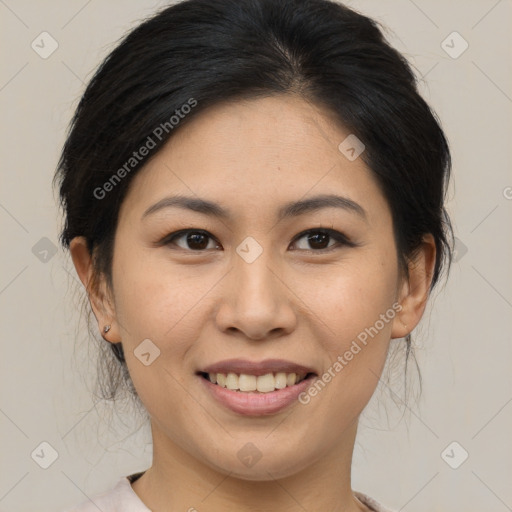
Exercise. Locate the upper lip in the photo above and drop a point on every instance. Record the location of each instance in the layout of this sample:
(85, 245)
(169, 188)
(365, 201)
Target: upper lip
(256, 368)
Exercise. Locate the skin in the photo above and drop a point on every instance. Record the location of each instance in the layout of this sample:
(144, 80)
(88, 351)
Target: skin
(297, 301)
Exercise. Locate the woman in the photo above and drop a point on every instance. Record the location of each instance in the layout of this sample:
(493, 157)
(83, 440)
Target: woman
(253, 194)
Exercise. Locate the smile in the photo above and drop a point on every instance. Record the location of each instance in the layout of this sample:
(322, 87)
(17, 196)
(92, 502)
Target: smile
(249, 388)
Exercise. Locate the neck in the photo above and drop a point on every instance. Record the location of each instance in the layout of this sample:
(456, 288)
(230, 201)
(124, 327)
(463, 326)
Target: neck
(178, 481)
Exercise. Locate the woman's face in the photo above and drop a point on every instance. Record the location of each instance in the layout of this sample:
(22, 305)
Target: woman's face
(249, 285)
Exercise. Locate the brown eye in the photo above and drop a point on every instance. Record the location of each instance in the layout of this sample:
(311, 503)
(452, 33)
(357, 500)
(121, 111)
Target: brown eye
(319, 240)
(194, 240)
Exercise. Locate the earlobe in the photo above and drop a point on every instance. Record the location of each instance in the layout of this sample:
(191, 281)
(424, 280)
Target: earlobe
(415, 290)
(96, 289)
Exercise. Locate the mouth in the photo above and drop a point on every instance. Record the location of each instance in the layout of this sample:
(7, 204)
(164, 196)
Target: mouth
(250, 376)
(250, 388)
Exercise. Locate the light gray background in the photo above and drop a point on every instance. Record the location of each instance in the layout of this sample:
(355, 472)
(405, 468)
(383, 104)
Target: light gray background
(465, 349)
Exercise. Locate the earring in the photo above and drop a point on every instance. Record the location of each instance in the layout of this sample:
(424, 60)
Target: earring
(106, 328)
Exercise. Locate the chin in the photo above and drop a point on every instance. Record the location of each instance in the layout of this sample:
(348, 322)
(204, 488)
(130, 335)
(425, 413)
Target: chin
(261, 467)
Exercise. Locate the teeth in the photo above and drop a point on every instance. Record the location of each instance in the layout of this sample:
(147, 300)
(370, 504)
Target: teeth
(247, 382)
(282, 380)
(263, 383)
(232, 381)
(291, 379)
(221, 379)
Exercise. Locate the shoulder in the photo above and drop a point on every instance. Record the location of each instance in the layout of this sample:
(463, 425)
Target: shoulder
(372, 504)
(120, 498)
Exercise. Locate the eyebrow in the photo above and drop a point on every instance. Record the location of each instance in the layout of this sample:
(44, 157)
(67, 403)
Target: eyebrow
(293, 209)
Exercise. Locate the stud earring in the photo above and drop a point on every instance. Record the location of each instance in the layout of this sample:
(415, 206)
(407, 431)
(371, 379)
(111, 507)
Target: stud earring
(106, 328)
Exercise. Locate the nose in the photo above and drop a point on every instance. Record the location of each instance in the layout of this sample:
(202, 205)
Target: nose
(256, 301)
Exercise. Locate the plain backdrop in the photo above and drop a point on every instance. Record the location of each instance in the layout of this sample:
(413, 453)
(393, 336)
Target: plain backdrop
(464, 349)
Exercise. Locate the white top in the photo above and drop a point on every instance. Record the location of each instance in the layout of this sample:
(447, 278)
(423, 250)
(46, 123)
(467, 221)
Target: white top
(122, 498)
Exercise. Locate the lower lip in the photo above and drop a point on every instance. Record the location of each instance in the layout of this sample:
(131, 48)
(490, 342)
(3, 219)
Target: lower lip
(254, 403)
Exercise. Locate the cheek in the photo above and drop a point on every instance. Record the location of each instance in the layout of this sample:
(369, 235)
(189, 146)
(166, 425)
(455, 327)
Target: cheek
(358, 309)
(353, 297)
(153, 299)
(153, 304)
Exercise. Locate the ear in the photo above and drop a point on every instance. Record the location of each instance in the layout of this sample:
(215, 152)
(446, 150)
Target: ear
(99, 297)
(414, 291)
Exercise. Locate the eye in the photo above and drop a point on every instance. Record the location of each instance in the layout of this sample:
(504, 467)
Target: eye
(196, 240)
(199, 240)
(319, 239)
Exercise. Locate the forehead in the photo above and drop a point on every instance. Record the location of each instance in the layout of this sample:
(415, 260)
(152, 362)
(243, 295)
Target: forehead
(255, 153)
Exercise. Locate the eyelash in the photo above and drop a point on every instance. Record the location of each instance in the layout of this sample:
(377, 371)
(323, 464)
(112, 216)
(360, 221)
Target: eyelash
(340, 238)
